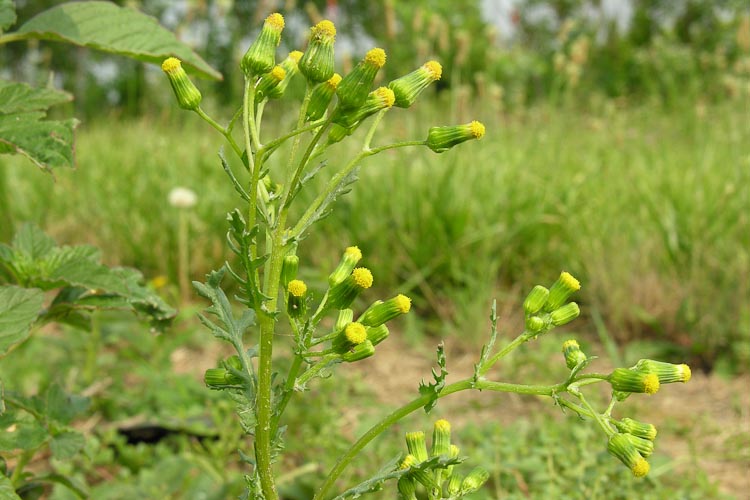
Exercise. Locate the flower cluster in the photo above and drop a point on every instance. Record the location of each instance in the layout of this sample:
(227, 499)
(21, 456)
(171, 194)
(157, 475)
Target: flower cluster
(547, 308)
(434, 471)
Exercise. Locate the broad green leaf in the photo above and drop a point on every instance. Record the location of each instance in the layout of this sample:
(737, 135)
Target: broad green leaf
(66, 444)
(19, 308)
(47, 143)
(6, 489)
(7, 14)
(21, 98)
(86, 284)
(22, 435)
(119, 30)
(63, 407)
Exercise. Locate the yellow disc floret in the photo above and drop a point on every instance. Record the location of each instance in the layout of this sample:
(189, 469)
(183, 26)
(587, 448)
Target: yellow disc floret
(295, 55)
(568, 344)
(278, 73)
(686, 372)
(477, 130)
(408, 461)
(355, 333)
(651, 383)
(375, 57)
(275, 21)
(403, 303)
(363, 278)
(352, 252)
(443, 425)
(386, 96)
(298, 288)
(567, 279)
(334, 81)
(434, 69)
(641, 467)
(171, 64)
(324, 29)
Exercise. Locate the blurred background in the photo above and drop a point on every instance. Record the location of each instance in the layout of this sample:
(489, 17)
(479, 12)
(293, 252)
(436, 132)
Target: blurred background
(617, 148)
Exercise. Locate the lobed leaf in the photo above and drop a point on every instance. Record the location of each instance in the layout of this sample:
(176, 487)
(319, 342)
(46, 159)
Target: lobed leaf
(19, 309)
(119, 30)
(66, 444)
(433, 389)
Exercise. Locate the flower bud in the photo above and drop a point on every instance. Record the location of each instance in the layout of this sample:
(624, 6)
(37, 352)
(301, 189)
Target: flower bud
(423, 477)
(337, 133)
(408, 87)
(415, 442)
(345, 317)
(636, 428)
(440, 139)
(289, 268)
(560, 290)
(353, 89)
(534, 324)
(342, 295)
(407, 488)
(261, 56)
(296, 304)
(348, 261)
(377, 334)
(352, 335)
(382, 312)
(380, 98)
(535, 300)
(453, 454)
(573, 354)
(317, 61)
(321, 96)
(219, 378)
(291, 69)
(621, 447)
(188, 95)
(474, 480)
(625, 380)
(359, 351)
(268, 84)
(667, 372)
(565, 314)
(441, 438)
(644, 446)
(454, 484)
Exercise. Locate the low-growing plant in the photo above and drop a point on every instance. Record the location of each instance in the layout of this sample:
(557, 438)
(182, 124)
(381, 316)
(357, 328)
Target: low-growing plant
(326, 331)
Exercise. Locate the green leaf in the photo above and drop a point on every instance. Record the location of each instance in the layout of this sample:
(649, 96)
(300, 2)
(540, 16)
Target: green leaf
(87, 284)
(433, 389)
(66, 444)
(19, 308)
(119, 30)
(7, 491)
(21, 98)
(47, 144)
(22, 435)
(7, 15)
(227, 326)
(63, 407)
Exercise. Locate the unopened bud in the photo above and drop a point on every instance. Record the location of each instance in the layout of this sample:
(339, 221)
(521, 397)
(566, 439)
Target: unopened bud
(408, 87)
(289, 268)
(343, 294)
(441, 438)
(358, 352)
(561, 290)
(535, 300)
(296, 304)
(321, 97)
(474, 480)
(621, 447)
(268, 84)
(379, 99)
(382, 312)
(377, 334)
(534, 324)
(188, 95)
(353, 89)
(668, 373)
(625, 380)
(352, 255)
(415, 442)
(565, 314)
(636, 428)
(573, 354)
(317, 61)
(440, 139)
(261, 56)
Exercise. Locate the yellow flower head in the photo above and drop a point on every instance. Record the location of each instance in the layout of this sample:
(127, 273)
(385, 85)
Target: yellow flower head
(477, 130)
(403, 303)
(298, 288)
(434, 69)
(355, 333)
(324, 30)
(295, 55)
(375, 57)
(362, 277)
(275, 21)
(385, 96)
(171, 64)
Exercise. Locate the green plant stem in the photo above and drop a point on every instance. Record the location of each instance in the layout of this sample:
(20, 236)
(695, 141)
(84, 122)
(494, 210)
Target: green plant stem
(271, 146)
(597, 417)
(24, 459)
(523, 337)
(293, 153)
(226, 132)
(389, 420)
(336, 180)
(288, 391)
(183, 256)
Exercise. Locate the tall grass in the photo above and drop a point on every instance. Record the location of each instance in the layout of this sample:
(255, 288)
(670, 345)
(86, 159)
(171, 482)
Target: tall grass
(648, 207)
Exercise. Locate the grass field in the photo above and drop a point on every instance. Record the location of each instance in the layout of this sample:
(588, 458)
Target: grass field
(648, 207)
